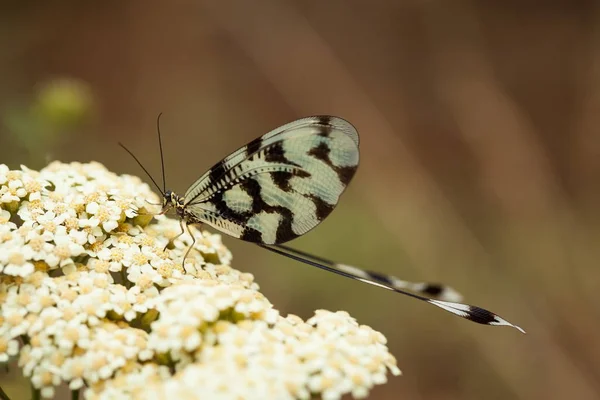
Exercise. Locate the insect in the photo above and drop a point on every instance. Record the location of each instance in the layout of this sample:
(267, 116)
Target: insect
(283, 184)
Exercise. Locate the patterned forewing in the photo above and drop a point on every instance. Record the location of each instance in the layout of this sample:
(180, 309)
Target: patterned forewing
(283, 188)
(219, 175)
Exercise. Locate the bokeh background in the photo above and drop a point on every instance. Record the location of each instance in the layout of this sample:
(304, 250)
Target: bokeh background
(480, 156)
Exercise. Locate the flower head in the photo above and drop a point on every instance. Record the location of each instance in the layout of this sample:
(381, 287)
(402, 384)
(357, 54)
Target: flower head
(104, 304)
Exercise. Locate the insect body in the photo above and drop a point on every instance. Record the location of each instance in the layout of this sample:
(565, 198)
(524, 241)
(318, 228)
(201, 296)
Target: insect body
(283, 184)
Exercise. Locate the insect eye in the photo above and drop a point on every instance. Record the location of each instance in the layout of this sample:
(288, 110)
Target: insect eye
(166, 198)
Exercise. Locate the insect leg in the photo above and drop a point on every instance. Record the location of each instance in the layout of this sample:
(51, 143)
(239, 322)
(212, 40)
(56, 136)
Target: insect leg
(180, 233)
(191, 246)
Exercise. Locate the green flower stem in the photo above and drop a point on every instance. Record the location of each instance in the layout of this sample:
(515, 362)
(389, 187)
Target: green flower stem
(35, 393)
(3, 395)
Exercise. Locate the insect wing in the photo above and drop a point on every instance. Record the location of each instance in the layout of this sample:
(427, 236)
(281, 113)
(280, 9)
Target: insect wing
(280, 185)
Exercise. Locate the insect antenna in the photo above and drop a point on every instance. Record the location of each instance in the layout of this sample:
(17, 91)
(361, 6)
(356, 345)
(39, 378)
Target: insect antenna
(141, 166)
(466, 311)
(162, 160)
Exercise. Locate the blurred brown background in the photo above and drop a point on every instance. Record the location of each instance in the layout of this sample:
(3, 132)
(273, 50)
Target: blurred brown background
(480, 163)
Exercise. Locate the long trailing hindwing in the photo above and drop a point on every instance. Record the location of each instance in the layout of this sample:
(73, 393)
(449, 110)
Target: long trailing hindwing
(433, 290)
(280, 185)
(445, 298)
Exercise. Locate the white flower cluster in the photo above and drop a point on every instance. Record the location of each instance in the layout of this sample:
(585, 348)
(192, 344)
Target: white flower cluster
(72, 213)
(188, 309)
(74, 328)
(93, 294)
(329, 355)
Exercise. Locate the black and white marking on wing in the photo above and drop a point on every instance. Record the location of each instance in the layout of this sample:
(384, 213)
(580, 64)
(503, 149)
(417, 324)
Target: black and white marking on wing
(473, 313)
(282, 185)
(466, 311)
(437, 291)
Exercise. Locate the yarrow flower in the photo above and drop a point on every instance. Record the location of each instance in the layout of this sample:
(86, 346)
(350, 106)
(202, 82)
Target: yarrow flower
(93, 295)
